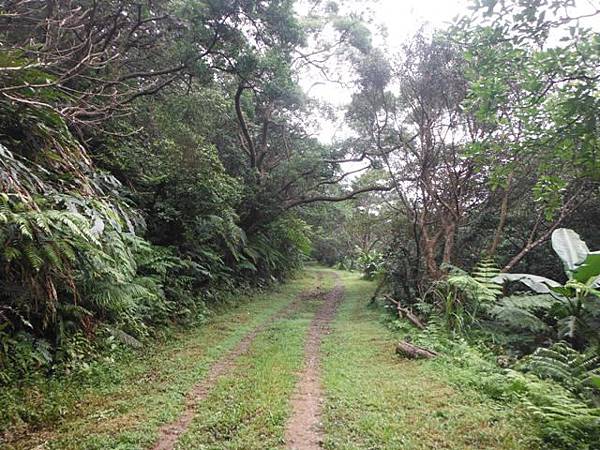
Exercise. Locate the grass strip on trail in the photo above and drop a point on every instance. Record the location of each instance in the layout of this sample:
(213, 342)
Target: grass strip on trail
(248, 407)
(169, 433)
(303, 430)
(374, 400)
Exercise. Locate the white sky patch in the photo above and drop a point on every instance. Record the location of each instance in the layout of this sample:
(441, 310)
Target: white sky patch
(400, 20)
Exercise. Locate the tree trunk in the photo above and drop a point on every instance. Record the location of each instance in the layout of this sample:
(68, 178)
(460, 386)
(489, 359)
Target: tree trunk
(450, 232)
(503, 215)
(429, 245)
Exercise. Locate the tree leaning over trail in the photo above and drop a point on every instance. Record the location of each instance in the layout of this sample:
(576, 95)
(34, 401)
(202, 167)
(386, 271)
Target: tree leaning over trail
(153, 155)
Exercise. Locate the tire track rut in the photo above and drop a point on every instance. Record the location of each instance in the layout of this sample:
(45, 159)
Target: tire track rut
(303, 430)
(169, 433)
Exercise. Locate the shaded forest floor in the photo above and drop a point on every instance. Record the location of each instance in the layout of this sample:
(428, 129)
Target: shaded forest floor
(306, 366)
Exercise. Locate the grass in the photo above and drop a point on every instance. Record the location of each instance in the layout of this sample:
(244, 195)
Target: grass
(377, 401)
(248, 408)
(134, 397)
(374, 400)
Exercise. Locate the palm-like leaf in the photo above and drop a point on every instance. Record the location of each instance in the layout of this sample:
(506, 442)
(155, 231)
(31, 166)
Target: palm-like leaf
(536, 283)
(569, 247)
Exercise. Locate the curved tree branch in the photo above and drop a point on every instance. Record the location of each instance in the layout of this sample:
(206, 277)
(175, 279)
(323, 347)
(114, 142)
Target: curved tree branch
(339, 198)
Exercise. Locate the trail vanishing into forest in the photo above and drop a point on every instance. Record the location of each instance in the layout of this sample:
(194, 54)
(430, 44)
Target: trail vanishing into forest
(300, 224)
(303, 428)
(309, 366)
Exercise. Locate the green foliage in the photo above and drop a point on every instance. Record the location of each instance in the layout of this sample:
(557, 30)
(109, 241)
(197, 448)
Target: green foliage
(515, 63)
(127, 201)
(522, 312)
(370, 263)
(72, 263)
(279, 249)
(484, 273)
(563, 418)
(572, 369)
(461, 297)
(566, 423)
(77, 278)
(575, 306)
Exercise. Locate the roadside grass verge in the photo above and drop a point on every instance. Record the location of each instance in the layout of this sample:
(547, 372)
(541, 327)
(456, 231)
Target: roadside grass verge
(122, 405)
(374, 400)
(560, 419)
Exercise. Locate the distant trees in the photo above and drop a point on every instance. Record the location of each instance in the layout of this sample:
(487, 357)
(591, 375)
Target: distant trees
(346, 233)
(484, 130)
(410, 116)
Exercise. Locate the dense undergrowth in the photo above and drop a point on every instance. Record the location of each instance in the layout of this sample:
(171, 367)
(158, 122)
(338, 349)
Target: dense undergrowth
(538, 352)
(564, 418)
(126, 205)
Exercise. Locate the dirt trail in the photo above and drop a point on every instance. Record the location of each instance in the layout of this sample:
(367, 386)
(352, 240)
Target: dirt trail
(169, 433)
(303, 430)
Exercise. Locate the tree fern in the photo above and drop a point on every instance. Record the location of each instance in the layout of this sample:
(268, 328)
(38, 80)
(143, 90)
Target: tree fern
(564, 412)
(464, 297)
(523, 312)
(68, 275)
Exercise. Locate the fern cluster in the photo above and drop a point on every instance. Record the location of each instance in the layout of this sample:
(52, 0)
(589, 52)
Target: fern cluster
(484, 274)
(565, 421)
(578, 372)
(523, 312)
(463, 297)
(67, 272)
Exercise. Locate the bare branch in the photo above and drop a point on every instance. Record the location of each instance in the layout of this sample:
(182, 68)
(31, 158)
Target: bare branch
(339, 198)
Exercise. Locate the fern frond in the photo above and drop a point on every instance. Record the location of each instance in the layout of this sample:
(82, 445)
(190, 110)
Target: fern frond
(523, 311)
(566, 365)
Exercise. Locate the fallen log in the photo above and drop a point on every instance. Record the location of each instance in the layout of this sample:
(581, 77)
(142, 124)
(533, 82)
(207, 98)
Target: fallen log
(411, 351)
(405, 313)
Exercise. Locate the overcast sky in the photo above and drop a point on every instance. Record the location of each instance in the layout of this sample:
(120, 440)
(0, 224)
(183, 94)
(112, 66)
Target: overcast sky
(402, 19)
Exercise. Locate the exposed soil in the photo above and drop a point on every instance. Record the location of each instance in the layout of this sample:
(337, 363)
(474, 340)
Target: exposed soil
(303, 430)
(169, 433)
